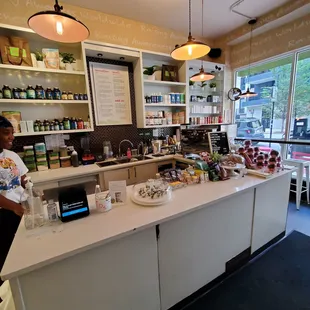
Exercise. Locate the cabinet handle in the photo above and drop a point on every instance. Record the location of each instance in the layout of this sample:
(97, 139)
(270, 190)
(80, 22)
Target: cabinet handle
(135, 171)
(128, 174)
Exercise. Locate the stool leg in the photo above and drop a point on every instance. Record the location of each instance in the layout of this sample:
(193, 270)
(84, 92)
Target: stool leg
(307, 182)
(299, 186)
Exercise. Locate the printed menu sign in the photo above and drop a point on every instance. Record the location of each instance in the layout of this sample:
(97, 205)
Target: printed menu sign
(111, 94)
(218, 141)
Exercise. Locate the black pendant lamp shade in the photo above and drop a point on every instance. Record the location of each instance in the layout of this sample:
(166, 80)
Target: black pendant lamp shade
(202, 76)
(192, 49)
(58, 26)
(249, 93)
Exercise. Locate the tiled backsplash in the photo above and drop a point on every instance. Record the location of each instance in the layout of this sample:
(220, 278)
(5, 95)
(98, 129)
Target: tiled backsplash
(101, 133)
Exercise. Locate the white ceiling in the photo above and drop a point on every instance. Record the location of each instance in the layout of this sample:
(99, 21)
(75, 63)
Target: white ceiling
(173, 14)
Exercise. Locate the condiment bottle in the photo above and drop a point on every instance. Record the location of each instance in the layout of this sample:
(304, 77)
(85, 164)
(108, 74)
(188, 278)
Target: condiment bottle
(74, 159)
(64, 95)
(49, 93)
(80, 124)
(16, 92)
(56, 93)
(39, 91)
(31, 94)
(56, 124)
(46, 125)
(70, 95)
(66, 123)
(6, 91)
(23, 94)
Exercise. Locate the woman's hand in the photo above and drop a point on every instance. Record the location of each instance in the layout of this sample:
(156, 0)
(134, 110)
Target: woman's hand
(18, 209)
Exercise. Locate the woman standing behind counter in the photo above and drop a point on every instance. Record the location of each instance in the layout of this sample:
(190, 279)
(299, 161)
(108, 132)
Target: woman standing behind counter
(12, 175)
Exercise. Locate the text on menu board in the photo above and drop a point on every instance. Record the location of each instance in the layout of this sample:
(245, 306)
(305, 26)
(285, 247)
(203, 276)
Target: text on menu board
(218, 141)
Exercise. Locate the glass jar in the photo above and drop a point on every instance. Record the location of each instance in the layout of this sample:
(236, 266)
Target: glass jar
(36, 126)
(56, 124)
(31, 93)
(1, 94)
(6, 91)
(49, 93)
(61, 126)
(70, 95)
(66, 123)
(16, 93)
(52, 126)
(64, 96)
(81, 96)
(46, 125)
(39, 92)
(73, 123)
(76, 96)
(23, 94)
(56, 93)
(85, 97)
(42, 127)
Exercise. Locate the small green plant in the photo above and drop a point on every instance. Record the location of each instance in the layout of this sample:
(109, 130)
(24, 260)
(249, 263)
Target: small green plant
(191, 83)
(67, 58)
(212, 85)
(151, 70)
(216, 157)
(39, 56)
(203, 84)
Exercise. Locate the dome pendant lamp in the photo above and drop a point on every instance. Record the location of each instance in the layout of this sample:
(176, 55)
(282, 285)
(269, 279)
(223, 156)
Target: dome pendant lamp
(202, 76)
(58, 26)
(192, 49)
(249, 93)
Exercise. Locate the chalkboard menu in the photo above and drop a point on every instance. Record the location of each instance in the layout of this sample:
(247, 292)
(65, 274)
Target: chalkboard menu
(218, 141)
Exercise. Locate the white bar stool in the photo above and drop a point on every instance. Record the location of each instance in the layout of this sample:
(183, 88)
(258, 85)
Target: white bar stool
(301, 165)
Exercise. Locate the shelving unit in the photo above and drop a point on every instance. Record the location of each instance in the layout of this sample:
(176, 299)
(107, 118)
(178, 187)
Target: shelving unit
(43, 101)
(195, 107)
(145, 86)
(22, 76)
(41, 133)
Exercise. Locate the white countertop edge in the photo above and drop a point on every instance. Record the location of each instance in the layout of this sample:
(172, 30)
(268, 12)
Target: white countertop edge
(14, 272)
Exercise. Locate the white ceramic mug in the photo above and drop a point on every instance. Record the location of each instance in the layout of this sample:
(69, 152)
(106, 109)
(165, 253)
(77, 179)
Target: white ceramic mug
(103, 203)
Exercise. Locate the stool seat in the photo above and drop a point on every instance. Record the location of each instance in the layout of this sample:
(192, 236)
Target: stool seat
(301, 165)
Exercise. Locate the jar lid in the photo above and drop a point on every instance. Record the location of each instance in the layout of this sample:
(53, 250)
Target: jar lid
(28, 147)
(39, 144)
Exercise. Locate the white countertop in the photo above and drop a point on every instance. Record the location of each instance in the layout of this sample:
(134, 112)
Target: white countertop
(73, 172)
(34, 249)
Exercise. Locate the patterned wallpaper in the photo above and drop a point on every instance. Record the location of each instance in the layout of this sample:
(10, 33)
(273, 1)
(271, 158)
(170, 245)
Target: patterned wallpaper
(101, 133)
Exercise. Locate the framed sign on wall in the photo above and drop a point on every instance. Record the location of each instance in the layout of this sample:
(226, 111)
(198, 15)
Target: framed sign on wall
(111, 94)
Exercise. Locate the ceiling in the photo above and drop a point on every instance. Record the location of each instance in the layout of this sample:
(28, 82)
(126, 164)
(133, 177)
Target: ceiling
(173, 14)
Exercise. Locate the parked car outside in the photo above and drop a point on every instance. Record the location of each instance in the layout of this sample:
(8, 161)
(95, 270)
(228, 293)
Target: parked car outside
(250, 128)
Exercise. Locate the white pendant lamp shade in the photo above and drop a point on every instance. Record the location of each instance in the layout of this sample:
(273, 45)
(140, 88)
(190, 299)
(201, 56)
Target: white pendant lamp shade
(192, 49)
(58, 26)
(202, 76)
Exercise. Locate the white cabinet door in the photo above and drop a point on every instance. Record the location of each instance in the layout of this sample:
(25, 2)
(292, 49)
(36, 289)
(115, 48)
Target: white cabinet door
(116, 175)
(144, 172)
(193, 249)
(120, 275)
(270, 211)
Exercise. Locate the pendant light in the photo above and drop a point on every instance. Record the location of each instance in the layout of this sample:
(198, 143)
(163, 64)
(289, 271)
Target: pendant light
(192, 49)
(58, 26)
(249, 93)
(202, 76)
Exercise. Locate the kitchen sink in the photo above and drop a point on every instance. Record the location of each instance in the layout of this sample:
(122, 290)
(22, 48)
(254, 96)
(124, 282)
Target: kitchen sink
(102, 164)
(158, 155)
(123, 160)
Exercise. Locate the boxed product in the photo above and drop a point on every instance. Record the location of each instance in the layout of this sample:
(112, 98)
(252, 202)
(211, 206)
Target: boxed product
(51, 58)
(14, 117)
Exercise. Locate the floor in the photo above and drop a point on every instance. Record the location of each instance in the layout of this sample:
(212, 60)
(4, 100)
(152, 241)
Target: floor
(299, 220)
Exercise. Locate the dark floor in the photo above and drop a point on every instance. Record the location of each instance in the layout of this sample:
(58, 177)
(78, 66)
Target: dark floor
(299, 220)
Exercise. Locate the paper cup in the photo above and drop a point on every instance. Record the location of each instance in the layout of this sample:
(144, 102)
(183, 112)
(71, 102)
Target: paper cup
(103, 204)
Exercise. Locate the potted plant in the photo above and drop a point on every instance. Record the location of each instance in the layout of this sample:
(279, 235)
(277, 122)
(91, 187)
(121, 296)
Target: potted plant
(68, 59)
(39, 58)
(213, 86)
(191, 84)
(152, 73)
(203, 85)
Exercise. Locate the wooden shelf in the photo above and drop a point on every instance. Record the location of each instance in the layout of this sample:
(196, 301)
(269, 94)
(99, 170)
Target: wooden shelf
(204, 113)
(199, 102)
(165, 105)
(44, 70)
(43, 133)
(163, 126)
(41, 101)
(214, 124)
(154, 82)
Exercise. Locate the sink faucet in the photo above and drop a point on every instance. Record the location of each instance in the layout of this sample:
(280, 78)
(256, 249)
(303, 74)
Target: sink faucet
(141, 144)
(119, 146)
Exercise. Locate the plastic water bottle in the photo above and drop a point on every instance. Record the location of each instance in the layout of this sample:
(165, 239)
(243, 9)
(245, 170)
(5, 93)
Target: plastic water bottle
(97, 191)
(52, 211)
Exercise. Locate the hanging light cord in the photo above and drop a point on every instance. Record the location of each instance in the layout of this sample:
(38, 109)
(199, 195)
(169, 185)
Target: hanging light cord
(57, 7)
(190, 17)
(202, 27)
(250, 49)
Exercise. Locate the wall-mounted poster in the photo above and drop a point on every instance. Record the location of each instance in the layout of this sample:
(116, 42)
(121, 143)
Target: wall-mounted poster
(111, 94)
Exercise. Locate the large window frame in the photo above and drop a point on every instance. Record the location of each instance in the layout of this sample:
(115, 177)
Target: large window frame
(295, 54)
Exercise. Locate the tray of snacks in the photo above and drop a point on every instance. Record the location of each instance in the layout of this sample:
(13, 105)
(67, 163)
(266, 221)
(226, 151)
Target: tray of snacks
(154, 192)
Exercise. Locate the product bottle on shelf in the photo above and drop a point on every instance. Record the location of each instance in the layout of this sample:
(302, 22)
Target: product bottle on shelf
(74, 159)
(52, 211)
(97, 191)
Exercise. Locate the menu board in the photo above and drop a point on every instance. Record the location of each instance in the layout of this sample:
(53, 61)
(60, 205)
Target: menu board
(218, 141)
(111, 94)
